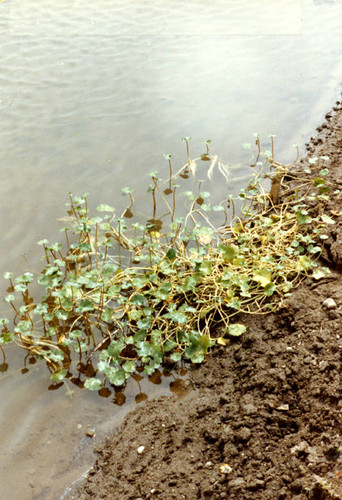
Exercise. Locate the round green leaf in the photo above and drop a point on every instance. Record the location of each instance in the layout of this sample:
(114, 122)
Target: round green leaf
(236, 329)
(93, 384)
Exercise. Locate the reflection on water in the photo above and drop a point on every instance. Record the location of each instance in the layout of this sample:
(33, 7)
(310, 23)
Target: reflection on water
(174, 377)
(92, 94)
(48, 437)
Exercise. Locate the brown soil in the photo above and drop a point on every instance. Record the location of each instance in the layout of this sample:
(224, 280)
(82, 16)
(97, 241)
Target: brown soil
(264, 418)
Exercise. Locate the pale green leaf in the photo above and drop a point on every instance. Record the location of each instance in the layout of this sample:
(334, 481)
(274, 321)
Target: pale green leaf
(236, 329)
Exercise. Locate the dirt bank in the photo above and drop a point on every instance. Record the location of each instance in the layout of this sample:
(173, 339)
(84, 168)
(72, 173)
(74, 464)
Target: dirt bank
(264, 418)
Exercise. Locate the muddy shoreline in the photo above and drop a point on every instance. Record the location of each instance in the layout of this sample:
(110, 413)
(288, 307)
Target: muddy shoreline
(264, 417)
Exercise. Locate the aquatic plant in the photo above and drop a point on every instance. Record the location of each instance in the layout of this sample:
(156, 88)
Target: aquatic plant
(120, 298)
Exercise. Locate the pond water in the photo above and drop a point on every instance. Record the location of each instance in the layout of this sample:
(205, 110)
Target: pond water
(92, 94)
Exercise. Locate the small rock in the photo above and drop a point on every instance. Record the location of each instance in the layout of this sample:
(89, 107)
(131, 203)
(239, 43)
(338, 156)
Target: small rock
(225, 469)
(141, 449)
(283, 408)
(313, 456)
(282, 494)
(90, 433)
(329, 303)
(256, 484)
(208, 464)
(333, 314)
(244, 434)
(249, 409)
(323, 365)
(237, 483)
(302, 446)
(296, 486)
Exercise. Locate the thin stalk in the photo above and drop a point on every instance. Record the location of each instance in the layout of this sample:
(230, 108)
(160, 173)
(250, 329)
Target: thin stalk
(73, 207)
(170, 173)
(67, 238)
(96, 258)
(3, 353)
(119, 242)
(173, 203)
(16, 310)
(154, 198)
(187, 151)
(11, 283)
(46, 254)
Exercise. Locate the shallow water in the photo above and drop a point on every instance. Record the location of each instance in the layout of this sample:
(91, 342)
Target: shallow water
(91, 96)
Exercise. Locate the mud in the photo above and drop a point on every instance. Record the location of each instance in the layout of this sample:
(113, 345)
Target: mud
(264, 417)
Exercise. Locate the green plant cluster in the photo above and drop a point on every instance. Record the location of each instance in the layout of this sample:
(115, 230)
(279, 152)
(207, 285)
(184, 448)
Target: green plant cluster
(129, 297)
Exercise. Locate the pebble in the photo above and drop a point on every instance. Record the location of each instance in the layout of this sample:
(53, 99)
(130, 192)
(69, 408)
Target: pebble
(225, 469)
(323, 365)
(244, 434)
(249, 409)
(256, 484)
(237, 483)
(283, 408)
(296, 486)
(302, 446)
(141, 449)
(90, 433)
(329, 303)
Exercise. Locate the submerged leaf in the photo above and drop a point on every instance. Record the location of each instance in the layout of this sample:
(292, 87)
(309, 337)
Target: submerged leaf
(58, 376)
(105, 208)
